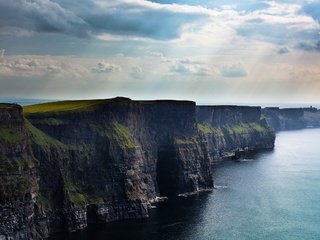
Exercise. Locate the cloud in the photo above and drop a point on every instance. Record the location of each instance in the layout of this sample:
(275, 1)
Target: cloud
(251, 6)
(2, 54)
(189, 61)
(285, 23)
(54, 69)
(283, 50)
(188, 68)
(263, 31)
(156, 55)
(92, 17)
(180, 68)
(136, 72)
(281, 24)
(19, 66)
(143, 18)
(203, 71)
(36, 66)
(39, 16)
(312, 9)
(105, 67)
(233, 71)
(309, 47)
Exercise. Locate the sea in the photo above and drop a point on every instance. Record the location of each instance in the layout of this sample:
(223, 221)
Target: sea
(270, 195)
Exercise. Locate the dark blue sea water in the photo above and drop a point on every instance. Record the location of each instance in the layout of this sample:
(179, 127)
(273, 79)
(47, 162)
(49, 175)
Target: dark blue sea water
(274, 195)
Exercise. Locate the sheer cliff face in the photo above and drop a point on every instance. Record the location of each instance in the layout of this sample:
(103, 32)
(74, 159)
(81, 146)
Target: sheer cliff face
(117, 157)
(230, 129)
(18, 180)
(227, 115)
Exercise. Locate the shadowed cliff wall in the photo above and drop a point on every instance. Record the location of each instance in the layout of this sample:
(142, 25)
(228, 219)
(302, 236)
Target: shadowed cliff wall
(18, 178)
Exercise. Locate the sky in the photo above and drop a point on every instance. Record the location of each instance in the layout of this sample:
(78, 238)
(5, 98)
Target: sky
(208, 51)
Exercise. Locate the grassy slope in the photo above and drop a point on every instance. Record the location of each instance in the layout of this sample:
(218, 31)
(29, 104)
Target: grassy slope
(61, 106)
(41, 138)
(10, 135)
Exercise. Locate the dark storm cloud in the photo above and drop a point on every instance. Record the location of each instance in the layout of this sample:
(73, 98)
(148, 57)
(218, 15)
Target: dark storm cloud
(136, 18)
(39, 16)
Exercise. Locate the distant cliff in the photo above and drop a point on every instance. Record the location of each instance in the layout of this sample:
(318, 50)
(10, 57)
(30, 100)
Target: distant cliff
(232, 130)
(104, 160)
(292, 118)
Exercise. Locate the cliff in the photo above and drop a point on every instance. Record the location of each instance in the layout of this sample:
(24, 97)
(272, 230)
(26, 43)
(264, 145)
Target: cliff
(107, 160)
(75, 162)
(18, 178)
(233, 130)
(292, 118)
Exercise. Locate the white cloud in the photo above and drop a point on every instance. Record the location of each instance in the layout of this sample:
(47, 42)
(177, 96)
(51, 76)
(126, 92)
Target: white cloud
(158, 55)
(2, 51)
(188, 67)
(32, 66)
(234, 71)
(189, 61)
(136, 72)
(180, 68)
(54, 69)
(110, 37)
(203, 71)
(105, 67)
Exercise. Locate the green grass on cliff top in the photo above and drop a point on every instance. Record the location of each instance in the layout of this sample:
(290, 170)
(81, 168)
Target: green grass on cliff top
(88, 105)
(61, 106)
